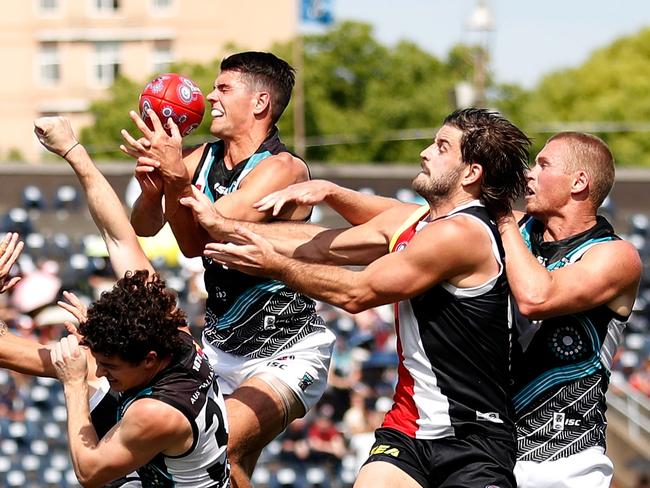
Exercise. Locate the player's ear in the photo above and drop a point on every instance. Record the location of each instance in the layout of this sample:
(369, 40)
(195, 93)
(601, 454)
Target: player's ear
(262, 102)
(472, 173)
(150, 359)
(580, 181)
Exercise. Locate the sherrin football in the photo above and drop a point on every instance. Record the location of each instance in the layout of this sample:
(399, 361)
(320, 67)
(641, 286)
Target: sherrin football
(175, 96)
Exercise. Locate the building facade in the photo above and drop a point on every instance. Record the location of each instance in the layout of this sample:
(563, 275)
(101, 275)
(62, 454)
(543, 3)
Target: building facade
(60, 55)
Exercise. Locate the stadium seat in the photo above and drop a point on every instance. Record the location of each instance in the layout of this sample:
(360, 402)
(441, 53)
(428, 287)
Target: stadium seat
(261, 477)
(39, 447)
(52, 476)
(5, 465)
(8, 447)
(16, 478)
(67, 198)
(33, 198)
(17, 220)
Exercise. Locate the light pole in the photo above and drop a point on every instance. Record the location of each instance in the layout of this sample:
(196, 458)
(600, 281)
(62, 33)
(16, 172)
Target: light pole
(482, 23)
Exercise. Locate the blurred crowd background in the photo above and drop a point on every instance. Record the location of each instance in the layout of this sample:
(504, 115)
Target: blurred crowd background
(325, 449)
(358, 101)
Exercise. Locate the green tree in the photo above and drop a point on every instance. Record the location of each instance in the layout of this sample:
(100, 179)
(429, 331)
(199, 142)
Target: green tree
(606, 95)
(360, 91)
(356, 90)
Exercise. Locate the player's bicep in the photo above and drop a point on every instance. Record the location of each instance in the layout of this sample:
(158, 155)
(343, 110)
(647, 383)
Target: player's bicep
(430, 258)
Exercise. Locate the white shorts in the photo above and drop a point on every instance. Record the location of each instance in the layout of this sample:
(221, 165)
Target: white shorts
(589, 468)
(303, 367)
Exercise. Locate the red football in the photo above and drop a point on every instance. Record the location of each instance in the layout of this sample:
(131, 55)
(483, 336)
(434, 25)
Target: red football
(172, 95)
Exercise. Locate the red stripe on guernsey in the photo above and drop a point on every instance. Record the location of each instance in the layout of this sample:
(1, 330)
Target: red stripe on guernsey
(420, 409)
(404, 414)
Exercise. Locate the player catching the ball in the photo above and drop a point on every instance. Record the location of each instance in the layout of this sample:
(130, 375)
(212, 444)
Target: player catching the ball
(267, 345)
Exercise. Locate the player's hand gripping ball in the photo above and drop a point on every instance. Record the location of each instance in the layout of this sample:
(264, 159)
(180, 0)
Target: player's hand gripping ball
(172, 95)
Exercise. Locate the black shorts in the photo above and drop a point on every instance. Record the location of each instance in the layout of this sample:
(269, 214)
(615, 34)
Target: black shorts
(475, 461)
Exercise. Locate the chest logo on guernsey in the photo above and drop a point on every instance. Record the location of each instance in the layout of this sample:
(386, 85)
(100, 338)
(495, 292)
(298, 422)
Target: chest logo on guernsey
(401, 246)
(220, 189)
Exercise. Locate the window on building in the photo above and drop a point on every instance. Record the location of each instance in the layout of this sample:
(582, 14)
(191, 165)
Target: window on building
(106, 6)
(107, 62)
(161, 4)
(48, 5)
(162, 56)
(49, 63)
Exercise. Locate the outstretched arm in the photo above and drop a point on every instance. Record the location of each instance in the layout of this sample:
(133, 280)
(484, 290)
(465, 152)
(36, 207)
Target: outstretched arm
(55, 133)
(355, 207)
(356, 245)
(432, 256)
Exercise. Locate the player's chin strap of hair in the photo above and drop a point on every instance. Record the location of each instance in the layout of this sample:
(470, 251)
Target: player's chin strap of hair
(71, 148)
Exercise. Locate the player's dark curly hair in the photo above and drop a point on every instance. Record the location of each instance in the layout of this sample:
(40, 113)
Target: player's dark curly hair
(267, 71)
(137, 315)
(492, 141)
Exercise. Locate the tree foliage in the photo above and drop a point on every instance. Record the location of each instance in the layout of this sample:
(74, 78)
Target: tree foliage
(356, 90)
(606, 95)
(361, 97)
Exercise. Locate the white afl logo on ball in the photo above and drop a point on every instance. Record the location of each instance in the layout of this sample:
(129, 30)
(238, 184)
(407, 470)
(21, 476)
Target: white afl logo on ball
(146, 105)
(185, 93)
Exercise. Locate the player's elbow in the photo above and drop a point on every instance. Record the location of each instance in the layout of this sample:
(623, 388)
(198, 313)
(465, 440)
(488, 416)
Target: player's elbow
(145, 229)
(538, 306)
(190, 250)
(356, 301)
(88, 479)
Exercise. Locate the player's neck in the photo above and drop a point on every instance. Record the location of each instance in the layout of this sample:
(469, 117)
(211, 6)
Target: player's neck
(443, 207)
(242, 147)
(562, 226)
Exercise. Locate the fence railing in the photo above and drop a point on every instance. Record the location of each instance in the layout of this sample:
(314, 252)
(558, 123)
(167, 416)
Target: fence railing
(633, 406)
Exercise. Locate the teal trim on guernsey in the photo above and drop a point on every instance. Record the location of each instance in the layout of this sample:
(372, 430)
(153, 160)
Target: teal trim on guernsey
(246, 300)
(563, 374)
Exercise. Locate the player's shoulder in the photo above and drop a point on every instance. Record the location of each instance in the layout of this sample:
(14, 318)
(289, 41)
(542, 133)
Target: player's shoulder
(146, 415)
(192, 155)
(284, 163)
(618, 252)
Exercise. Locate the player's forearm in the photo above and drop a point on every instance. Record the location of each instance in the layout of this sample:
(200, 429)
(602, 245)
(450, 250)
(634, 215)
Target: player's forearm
(340, 287)
(25, 356)
(82, 436)
(108, 214)
(190, 235)
(147, 215)
(356, 207)
(291, 239)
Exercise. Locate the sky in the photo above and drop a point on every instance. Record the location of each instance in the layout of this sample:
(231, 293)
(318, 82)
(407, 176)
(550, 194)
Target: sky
(530, 38)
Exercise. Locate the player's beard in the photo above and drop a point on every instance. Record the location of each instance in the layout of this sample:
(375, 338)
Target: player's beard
(438, 190)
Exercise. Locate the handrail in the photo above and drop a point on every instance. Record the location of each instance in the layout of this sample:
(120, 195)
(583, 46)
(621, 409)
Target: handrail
(633, 405)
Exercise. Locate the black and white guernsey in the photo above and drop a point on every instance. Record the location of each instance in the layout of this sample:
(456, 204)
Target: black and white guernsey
(246, 315)
(562, 370)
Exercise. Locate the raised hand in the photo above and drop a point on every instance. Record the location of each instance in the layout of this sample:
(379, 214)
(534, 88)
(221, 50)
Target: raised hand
(77, 308)
(10, 249)
(156, 148)
(56, 134)
(306, 193)
(69, 360)
(203, 210)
